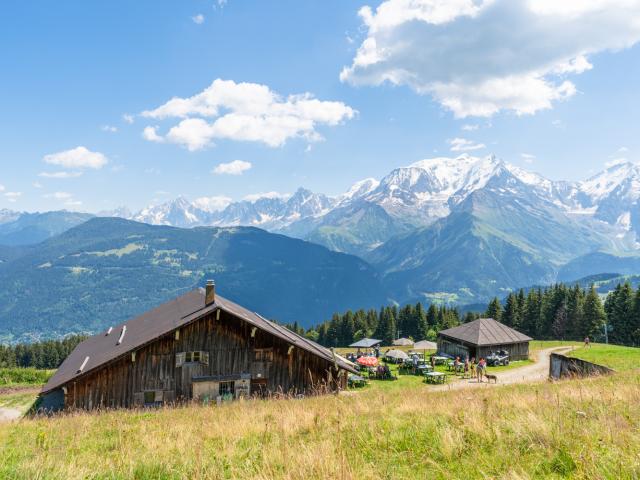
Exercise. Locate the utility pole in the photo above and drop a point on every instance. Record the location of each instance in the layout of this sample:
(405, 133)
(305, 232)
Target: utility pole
(606, 333)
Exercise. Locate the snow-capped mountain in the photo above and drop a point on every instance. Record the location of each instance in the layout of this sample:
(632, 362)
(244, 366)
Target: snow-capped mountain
(7, 215)
(465, 228)
(612, 196)
(270, 212)
(415, 196)
(178, 213)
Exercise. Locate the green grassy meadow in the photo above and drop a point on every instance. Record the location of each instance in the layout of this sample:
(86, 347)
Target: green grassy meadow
(23, 377)
(579, 429)
(612, 356)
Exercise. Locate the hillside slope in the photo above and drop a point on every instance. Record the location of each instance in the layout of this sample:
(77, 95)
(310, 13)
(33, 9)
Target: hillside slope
(486, 246)
(32, 228)
(582, 429)
(107, 270)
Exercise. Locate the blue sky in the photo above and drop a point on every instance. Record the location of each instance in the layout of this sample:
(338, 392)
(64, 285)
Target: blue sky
(562, 87)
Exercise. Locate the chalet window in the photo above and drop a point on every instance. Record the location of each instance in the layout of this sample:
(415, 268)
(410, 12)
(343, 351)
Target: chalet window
(192, 357)
(227, 388)
(263, 355)
(153, 397)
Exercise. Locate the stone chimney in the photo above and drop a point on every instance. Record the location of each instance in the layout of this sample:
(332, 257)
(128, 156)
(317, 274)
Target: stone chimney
(210, 293)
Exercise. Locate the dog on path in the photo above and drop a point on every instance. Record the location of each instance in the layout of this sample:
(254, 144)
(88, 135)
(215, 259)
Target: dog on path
(491, 377)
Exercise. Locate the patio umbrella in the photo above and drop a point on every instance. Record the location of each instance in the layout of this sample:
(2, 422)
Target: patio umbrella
(368, 361)
(396, 355)
(425, 345)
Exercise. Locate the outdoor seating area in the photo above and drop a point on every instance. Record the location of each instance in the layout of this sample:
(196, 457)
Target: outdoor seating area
(381, 372)
(435, 377)
(393, 364)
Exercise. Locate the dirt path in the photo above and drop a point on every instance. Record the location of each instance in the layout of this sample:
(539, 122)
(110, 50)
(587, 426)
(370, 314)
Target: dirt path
(537, 372)
(9, 414)
(20, 389)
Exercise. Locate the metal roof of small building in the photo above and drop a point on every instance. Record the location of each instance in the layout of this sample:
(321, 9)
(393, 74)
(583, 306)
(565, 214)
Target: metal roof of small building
(107, 346)
(366, 343)
(485, 331)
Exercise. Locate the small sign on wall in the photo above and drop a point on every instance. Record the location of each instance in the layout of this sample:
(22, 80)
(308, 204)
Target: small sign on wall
(243, 388)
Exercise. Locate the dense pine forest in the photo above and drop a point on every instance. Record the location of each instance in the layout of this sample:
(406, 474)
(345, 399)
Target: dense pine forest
(558, 312)
(387, 324)
(48, 354)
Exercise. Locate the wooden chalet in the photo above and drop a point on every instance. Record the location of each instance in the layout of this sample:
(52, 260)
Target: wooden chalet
(481, 337)
(199, 346)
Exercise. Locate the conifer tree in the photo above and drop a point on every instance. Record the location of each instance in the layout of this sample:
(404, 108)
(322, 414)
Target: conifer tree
(531, 314)
(594, 315)
(494, 309)
(422, 325)
(575, 321)
(620, 316)
(432, 316)
(510, 313)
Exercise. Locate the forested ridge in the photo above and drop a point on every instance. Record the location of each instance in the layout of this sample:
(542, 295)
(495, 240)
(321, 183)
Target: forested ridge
(42, 355)
(557, 312)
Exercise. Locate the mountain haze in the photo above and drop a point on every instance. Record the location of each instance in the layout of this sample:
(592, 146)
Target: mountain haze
(107, 270)
(443, 229)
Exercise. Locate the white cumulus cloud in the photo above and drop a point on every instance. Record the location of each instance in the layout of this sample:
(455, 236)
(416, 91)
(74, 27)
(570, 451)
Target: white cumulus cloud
(212, 204)
(237, 167)
(464, 145)
(61, 174)
(246, 112)
(79, 157)
(59, 195)
(198, 19)
(65, 198)
(478, 57)
(12, 196)
(272, 195)
(151, 134)
(528, 157)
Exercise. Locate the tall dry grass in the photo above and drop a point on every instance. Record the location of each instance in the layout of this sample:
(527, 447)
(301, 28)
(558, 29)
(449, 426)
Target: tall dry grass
(586, 429)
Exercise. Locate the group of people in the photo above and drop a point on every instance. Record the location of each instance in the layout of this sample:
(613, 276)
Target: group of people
(375, 352)
(470, 367)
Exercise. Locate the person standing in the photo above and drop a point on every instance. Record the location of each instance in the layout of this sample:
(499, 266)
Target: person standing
(587, 341)
(482, 365)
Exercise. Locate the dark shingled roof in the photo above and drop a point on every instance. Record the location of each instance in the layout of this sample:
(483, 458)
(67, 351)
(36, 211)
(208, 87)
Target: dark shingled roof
(103, 348)
(366, 343)
(485, 331)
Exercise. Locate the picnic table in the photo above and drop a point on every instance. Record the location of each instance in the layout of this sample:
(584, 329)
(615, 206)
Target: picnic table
(440, 360)
(451, 366)
(356, 381)
(424, 368)
(435, 377)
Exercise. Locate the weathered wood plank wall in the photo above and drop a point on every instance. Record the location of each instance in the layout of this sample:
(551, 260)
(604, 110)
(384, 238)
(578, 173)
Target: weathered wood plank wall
(231, 350)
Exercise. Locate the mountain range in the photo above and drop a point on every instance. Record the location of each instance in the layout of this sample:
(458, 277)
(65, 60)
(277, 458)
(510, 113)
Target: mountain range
(23, 228)
(108, 269)
(457, 230)
(418, 195)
